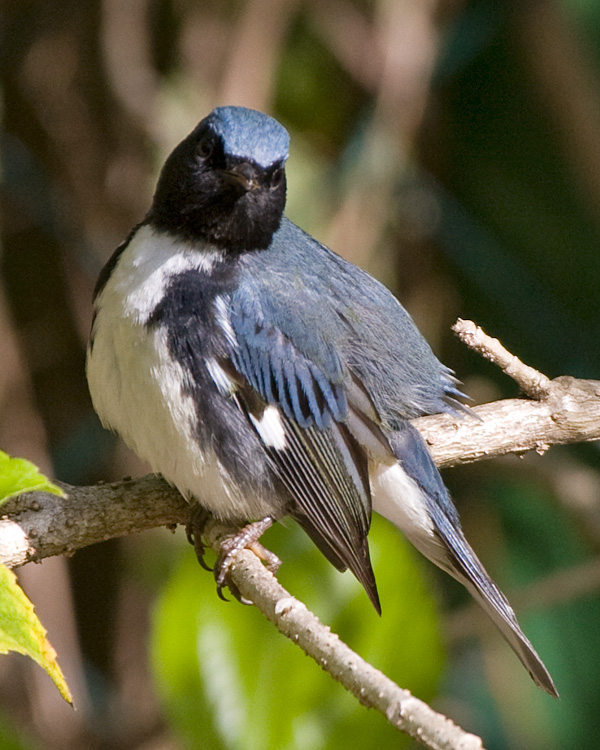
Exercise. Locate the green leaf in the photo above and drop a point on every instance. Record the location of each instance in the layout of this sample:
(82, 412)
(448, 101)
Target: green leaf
(22, 631)
(17, 475)
(229, 681)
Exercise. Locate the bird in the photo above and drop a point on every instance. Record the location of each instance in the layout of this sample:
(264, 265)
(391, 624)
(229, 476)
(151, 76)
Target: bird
(266, 377)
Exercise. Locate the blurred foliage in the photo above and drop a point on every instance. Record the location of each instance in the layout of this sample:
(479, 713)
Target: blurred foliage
(451, 148)
(12, 738)
(527, 537)
(515, 217)
(307, 76)
(230, 682)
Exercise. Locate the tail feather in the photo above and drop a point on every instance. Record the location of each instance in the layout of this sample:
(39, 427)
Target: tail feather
(418, 502)
(516, 639)
(466, 568)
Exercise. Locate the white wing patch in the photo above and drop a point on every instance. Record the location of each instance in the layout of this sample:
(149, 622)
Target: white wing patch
(270, 428)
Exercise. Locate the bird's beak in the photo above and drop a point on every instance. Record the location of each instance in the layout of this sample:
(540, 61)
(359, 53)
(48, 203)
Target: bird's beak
(242, 175)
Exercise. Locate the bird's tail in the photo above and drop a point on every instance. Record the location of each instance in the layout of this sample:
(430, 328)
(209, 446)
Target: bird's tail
(413, 496)
(465, 566)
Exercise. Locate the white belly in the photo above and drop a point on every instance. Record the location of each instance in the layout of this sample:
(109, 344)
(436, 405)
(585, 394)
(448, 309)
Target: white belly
(140, 392)
(137, 391)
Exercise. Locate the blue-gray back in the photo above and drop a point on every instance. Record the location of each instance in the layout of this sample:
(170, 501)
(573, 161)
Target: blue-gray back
(345, 322)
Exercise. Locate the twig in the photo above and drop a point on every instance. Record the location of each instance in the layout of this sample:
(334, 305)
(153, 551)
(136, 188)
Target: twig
(39, 525)
(564, 410)
(370, 686)
(569, 414)
(533, 383)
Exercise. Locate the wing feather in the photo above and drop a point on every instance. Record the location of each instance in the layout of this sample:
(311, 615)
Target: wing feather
(320, 462)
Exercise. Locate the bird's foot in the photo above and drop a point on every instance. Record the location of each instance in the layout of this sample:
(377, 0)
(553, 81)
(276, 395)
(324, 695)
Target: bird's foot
(246, 538)
(194, 529)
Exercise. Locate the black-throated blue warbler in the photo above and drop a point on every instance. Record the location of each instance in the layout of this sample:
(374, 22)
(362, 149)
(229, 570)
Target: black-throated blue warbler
(264, 376)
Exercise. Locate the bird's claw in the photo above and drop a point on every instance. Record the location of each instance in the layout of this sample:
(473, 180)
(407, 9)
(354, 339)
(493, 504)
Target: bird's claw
(194, 529)
(246, 538)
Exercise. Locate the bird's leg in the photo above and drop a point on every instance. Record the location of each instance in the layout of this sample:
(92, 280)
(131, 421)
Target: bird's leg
(194, 529)
(246, 538)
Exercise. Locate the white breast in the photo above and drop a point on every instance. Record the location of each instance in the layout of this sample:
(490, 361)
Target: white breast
(137, 388)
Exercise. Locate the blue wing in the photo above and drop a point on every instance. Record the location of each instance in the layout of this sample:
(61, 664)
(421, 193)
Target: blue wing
(317, 460)
(340, 358)
(283, 376)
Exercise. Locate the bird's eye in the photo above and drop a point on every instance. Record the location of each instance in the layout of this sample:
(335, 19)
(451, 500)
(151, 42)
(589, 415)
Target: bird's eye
(277, 177)
(205, 147)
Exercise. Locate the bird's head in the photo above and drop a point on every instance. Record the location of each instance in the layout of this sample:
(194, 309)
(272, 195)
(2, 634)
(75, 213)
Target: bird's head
(225, 183)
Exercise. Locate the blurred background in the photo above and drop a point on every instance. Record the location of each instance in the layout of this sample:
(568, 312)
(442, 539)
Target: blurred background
(453, 150)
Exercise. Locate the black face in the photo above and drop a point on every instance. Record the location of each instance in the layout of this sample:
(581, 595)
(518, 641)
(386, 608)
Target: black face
(203, 194)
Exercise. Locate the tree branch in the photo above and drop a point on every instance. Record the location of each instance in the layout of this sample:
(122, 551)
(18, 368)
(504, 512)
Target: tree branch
(39, 525)
(565, 410)
(370, 686)
(569, 414)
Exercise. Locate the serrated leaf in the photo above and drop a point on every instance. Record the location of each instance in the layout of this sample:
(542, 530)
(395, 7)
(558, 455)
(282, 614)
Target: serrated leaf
(22, 631)
(18, 475)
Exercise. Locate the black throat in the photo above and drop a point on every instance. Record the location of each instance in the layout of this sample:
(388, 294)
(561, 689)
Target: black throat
(197, 200)
(243, 224)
